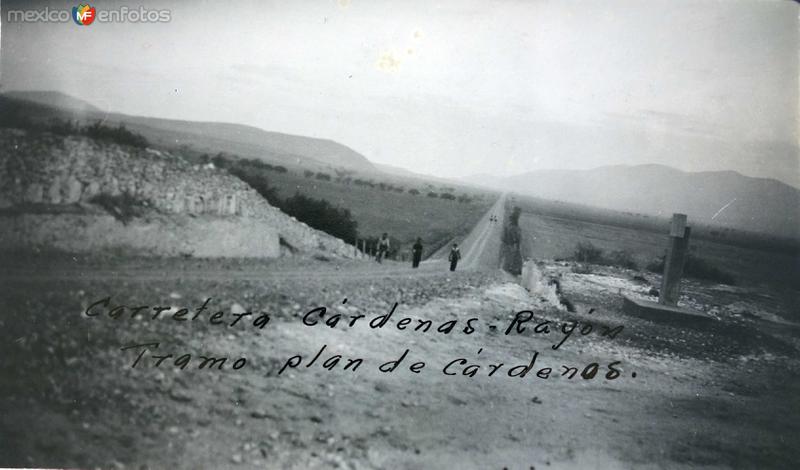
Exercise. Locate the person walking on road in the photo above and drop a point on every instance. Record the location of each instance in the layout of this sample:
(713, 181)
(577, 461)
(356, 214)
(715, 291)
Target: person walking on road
(455, 255)
(383, 247)
(417, 253)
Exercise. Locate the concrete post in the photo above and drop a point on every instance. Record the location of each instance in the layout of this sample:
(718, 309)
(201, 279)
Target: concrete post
(676, 258)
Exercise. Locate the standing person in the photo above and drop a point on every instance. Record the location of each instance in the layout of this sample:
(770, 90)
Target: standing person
(455, 255)
(417, 252)
(383, 247)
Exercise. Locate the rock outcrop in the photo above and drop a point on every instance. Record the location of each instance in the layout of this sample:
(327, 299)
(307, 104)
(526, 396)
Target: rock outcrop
(50, 184)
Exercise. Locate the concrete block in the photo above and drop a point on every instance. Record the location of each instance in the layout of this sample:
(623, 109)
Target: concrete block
(668, 314)
(678, 225)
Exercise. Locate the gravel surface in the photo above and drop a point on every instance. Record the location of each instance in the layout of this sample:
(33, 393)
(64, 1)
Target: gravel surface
(74, 399)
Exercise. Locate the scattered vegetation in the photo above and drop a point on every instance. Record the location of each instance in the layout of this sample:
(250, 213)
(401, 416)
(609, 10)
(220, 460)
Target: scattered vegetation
(622, 259)
(221, 161)
(513, 218)
(97, 130)
(257, 182)
(697, 268)
(588, 253)
(119, 135)
(322, 215)
(243, 167)
(512, 238)
(316, 213)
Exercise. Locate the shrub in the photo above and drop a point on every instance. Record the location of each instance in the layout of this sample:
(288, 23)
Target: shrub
(697, 268)
(513, 219)
(98, 130)
(702, 269)
(447, 196)
(432, 194)
(119, 135)
(413, 191)
(220, 161)
(622, 259)
(656, 266)
(321, 215)
(587, 253)
(262, 165)
(257, 182)
(316, 213)
(60, 127)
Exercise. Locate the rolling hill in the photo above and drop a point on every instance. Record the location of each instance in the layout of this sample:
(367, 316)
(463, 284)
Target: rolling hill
(204, 137)
(724, 198)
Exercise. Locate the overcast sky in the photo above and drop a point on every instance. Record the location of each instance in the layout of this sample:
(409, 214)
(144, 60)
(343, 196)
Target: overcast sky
(452, 88)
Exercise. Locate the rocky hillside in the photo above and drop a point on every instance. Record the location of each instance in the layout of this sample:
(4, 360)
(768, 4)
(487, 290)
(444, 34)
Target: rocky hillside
(208, 137)
(79, 194)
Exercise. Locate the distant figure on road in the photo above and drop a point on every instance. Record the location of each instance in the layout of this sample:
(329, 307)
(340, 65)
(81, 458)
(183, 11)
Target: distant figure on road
(417, 252)
(455, 255)
(383, 247)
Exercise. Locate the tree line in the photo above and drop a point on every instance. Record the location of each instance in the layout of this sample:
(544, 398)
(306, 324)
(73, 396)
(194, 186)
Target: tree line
(316, 213)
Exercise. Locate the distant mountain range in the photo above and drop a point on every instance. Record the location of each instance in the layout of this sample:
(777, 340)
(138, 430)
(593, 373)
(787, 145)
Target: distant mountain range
(208, 137)
(723, 198)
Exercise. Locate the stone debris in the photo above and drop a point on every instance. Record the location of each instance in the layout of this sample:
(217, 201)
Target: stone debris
(261, 414)
(180, 396)
(73, 170)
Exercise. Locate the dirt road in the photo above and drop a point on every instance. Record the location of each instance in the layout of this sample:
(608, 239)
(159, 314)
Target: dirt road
(480, 249)
(697, 400)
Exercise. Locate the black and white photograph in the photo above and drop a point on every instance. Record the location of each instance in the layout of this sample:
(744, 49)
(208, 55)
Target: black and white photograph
(400, 234)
